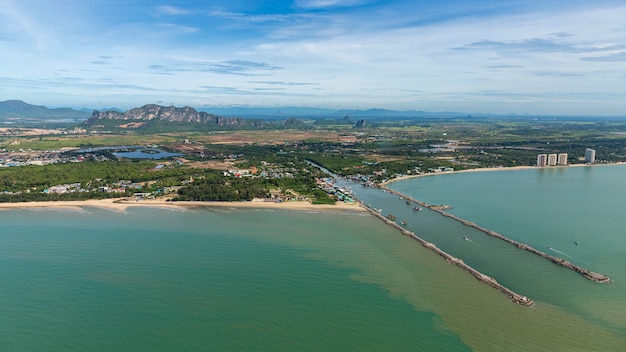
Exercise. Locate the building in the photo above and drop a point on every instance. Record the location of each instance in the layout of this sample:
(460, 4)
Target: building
(542, 160)
(551, 159)
(562, 159)
(590, 156)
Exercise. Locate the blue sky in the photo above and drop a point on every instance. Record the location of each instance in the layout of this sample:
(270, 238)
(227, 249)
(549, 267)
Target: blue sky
(537, 57)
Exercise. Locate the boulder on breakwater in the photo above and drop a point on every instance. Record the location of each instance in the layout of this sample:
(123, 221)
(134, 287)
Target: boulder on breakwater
(590, 275)
(513, 296)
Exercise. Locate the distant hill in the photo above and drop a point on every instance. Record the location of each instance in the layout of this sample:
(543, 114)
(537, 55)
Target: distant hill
(158, 113)
(281, 113)
(236, 116)
(22, 110)
(317, 113)
(269, 113)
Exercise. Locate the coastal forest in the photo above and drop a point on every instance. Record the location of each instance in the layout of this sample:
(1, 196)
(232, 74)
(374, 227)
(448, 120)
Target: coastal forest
(238, 159)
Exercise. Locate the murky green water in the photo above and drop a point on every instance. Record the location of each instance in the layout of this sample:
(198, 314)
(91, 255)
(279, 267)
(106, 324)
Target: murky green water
(260, 280)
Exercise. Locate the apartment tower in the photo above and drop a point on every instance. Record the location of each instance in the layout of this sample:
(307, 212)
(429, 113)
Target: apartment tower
(590, 156)
(551, 159)
(542, 160)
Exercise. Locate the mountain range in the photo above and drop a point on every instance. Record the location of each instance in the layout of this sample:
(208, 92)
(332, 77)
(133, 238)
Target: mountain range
(153, 112)
(17, 109)
(20, 109)
(10, 109)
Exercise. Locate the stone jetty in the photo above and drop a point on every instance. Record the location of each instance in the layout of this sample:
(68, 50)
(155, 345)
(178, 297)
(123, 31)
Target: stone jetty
(593, 276)
(513, 296)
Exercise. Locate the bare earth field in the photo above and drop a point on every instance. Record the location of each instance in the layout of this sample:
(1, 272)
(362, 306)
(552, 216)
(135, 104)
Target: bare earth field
(267, 137)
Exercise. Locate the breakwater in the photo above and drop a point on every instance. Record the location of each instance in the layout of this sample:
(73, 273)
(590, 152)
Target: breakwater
(588, 274)
(513, 296)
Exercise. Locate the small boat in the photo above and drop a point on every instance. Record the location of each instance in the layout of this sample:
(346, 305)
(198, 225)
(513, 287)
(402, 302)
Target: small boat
(577, 243)
(417, 209)
(403, 222)
(466, 238)
(391, 217)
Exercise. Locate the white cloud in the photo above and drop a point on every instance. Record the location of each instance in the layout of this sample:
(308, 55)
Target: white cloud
(178, 27)
(172, 10)
(316, 4)
(258, 18)
(391, 57)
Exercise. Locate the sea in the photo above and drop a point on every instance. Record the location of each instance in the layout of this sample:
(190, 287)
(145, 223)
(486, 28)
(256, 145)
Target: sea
(240, 279)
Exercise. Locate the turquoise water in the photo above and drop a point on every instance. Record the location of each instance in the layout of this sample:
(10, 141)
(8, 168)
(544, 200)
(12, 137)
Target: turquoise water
(261, 280)
(141, 154)
(134, 152)
(550, 209)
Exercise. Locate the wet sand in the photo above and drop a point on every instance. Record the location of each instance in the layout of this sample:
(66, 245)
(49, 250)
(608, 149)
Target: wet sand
(121, 204)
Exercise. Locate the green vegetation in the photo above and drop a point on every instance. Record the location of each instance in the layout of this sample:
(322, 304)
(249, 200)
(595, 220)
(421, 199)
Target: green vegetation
(78, 141)
(222, 189)
(38, 178)
(378, 151)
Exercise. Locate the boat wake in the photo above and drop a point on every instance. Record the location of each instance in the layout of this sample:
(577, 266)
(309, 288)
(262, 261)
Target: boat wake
(557, 251)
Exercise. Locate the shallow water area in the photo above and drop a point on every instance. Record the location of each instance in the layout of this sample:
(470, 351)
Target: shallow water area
(254, 279)
(573, 213)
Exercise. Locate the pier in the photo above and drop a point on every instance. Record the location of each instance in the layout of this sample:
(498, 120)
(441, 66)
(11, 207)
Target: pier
(590, 275)
(513, 296)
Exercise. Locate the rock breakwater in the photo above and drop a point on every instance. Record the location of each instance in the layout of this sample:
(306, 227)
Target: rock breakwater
(590, 275)
(513, 296)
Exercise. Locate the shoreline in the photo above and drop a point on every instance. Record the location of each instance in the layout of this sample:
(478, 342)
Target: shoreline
(122, 204)
(489, 169)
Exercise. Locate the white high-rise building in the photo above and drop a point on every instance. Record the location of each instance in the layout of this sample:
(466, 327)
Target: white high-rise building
(551, 159)
(590, 156)
(542, 160)
(562, 159)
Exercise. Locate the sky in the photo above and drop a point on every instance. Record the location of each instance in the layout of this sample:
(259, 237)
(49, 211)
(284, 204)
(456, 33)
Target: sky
(523, 56)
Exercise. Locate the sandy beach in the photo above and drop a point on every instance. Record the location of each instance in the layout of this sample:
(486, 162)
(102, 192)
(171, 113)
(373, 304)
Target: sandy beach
(486, 169)
(121, 204)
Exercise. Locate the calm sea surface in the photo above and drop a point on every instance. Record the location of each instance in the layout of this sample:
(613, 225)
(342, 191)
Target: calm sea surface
(262, 280)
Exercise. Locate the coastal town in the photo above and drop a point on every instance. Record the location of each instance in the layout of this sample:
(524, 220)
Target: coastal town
(312, 175)
(363, 155)
(191, 168)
